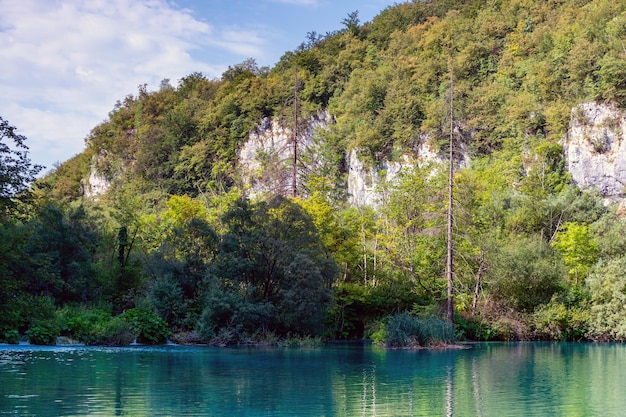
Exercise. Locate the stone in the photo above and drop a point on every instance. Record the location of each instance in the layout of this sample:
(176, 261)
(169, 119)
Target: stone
(265, 159)
(595, 149)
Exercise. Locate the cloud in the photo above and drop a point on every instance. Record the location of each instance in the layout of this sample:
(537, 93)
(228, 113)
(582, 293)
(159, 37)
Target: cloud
(241, 41)
(65, 63)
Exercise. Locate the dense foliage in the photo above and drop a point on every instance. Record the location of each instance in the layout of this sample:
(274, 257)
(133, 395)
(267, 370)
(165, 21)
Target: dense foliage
(16, 170)
(177, 248)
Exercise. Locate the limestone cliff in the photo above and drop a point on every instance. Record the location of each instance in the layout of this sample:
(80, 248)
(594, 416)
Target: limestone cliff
(595, 149)
(365, 183)
(265, 162)
(97, 183)
(266, 158)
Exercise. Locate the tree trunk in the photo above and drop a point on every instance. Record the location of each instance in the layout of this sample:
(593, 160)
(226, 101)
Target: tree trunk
(449, 271)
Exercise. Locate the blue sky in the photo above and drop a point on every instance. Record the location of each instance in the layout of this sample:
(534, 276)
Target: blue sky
(66, 62)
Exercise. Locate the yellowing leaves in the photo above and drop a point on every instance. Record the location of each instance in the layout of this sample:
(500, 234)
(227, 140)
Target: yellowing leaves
(579, 249)
(182, 208)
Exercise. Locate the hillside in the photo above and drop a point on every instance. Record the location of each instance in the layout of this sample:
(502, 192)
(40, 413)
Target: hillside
(160, 214)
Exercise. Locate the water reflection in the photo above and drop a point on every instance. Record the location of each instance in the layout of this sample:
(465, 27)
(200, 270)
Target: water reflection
(538, 379)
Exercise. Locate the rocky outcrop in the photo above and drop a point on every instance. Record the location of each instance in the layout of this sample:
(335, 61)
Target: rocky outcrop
(265, 162)
(595, 149)
(97, 184)
(266, 158)
(366, 184)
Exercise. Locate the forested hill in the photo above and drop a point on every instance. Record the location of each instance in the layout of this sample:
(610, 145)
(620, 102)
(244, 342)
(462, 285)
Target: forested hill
(176, 238)
(519, 69)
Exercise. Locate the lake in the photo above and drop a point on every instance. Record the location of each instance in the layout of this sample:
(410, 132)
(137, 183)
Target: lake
(490, 379)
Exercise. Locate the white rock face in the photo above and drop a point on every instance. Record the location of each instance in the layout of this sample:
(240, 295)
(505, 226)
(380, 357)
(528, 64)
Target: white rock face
(365, 184)
(265, 162)
(96, 184)
(595, 148)
(266, 159)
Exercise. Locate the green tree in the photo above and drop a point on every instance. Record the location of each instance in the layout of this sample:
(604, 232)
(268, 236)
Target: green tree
(255, 268)
(579, 249)
(60, 250)
(16, 170)
(413, 242)
(352, 22)
(525, 273)
(304, 297)
(606, 285)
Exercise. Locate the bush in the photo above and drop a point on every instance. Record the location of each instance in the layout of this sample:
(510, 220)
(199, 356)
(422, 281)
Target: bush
(43, 332)
(24, 311)
(527, 274)
(555, 321)
(147, 327)
(230, 318)
(403, 330)
(475, 328)
(82, 324)
(166, 296)
(186, 338)
(112, 332)
(304, 300)
(10, 336)
(606, 286)
(300, 341)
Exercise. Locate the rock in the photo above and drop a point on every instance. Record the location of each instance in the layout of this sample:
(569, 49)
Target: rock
(265, 162)
(595, 149)
(366, 185)
(266, 158)
(96, 184)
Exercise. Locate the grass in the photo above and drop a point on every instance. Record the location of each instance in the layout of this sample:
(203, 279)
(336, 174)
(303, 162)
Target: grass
(406, 331)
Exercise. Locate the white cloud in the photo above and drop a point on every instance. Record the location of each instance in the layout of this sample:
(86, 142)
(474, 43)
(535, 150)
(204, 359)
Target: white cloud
(241, 41)
(65, 63)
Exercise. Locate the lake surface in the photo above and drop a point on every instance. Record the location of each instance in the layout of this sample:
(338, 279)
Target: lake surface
(490, 379)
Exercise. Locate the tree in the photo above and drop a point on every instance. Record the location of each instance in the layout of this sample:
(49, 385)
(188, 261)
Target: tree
(271, 264)
(16, 171)
(352, 22)
(606, 285)
(525, 273)
(304, 299)
(578, 247)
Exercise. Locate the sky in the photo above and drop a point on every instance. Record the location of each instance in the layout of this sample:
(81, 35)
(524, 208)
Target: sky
(65, 63)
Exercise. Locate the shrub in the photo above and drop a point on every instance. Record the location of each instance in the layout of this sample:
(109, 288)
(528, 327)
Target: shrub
(186, 338)
(304, 300)
(43, 332)
(221, 306)
(527, 274)
(81, 323)
(10, 336)
(555, 321)
(475, 328)
(112, 332)
(300, 341)
(166, 296)
(147, 327)
(403, 330)
(606, 286)
(230, 318)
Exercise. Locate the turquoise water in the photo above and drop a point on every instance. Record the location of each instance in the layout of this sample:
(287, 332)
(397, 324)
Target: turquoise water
(520, 379)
